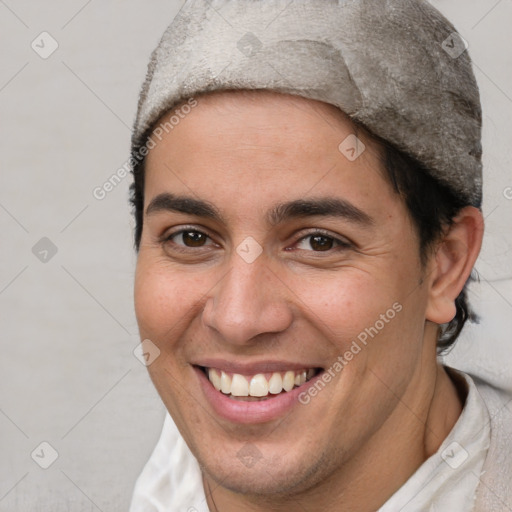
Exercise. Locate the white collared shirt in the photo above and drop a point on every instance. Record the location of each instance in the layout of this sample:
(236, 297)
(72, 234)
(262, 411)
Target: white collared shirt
(447, 481)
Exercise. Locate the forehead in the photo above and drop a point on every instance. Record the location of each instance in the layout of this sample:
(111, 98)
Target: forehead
(271, 115)
(233, 146)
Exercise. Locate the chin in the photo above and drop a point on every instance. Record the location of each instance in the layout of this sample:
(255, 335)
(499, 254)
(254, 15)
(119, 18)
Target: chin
(249, 471)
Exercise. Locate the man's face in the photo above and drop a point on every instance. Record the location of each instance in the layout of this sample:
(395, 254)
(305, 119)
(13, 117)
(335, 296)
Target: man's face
(248, 286)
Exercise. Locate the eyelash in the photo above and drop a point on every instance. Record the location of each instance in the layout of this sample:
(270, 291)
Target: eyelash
(338, 243)
(167, 238)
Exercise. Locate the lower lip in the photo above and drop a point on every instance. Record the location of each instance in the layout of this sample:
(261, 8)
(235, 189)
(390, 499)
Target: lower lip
(243, 412)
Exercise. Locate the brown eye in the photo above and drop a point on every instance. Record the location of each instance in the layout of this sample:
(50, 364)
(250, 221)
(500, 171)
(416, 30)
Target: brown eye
(193, 238)
(188, 238)
(321, 243)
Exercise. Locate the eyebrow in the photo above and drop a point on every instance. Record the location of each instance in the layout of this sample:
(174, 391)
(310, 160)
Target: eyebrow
(300, 208)
(183, 204)
(322, 207)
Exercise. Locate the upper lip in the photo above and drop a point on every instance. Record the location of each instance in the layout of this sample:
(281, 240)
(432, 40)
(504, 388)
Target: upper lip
(253, 368)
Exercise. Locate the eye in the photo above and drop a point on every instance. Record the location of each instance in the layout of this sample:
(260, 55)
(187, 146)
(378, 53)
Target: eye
(188, 238)
(320, 242)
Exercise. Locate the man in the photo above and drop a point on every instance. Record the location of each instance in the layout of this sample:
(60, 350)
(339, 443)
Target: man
(307, 192)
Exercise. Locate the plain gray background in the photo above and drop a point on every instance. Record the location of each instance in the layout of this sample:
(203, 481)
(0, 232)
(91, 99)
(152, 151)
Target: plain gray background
(68, 374)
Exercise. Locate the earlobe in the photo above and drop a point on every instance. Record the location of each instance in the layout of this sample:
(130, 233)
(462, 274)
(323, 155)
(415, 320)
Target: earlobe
(451, 265)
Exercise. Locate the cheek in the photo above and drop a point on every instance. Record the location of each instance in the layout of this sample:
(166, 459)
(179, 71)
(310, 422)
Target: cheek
(164, 299)
(381, 310)
(345, 303)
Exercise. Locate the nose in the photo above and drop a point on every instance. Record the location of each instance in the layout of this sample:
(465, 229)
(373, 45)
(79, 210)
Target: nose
(250, 300)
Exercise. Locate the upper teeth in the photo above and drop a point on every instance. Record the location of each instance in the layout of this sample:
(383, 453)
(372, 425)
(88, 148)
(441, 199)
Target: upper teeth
(257, 385)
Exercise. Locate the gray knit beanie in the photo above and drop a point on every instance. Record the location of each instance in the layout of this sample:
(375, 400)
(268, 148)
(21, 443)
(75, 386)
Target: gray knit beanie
(397, 67)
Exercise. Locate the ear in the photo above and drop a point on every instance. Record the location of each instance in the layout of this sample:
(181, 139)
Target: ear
(452, 262)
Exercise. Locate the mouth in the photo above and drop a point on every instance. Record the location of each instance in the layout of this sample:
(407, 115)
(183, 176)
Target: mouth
(255, 392)
(260, 386)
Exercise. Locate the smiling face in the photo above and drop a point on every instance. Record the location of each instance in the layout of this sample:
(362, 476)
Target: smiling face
(267, 253)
